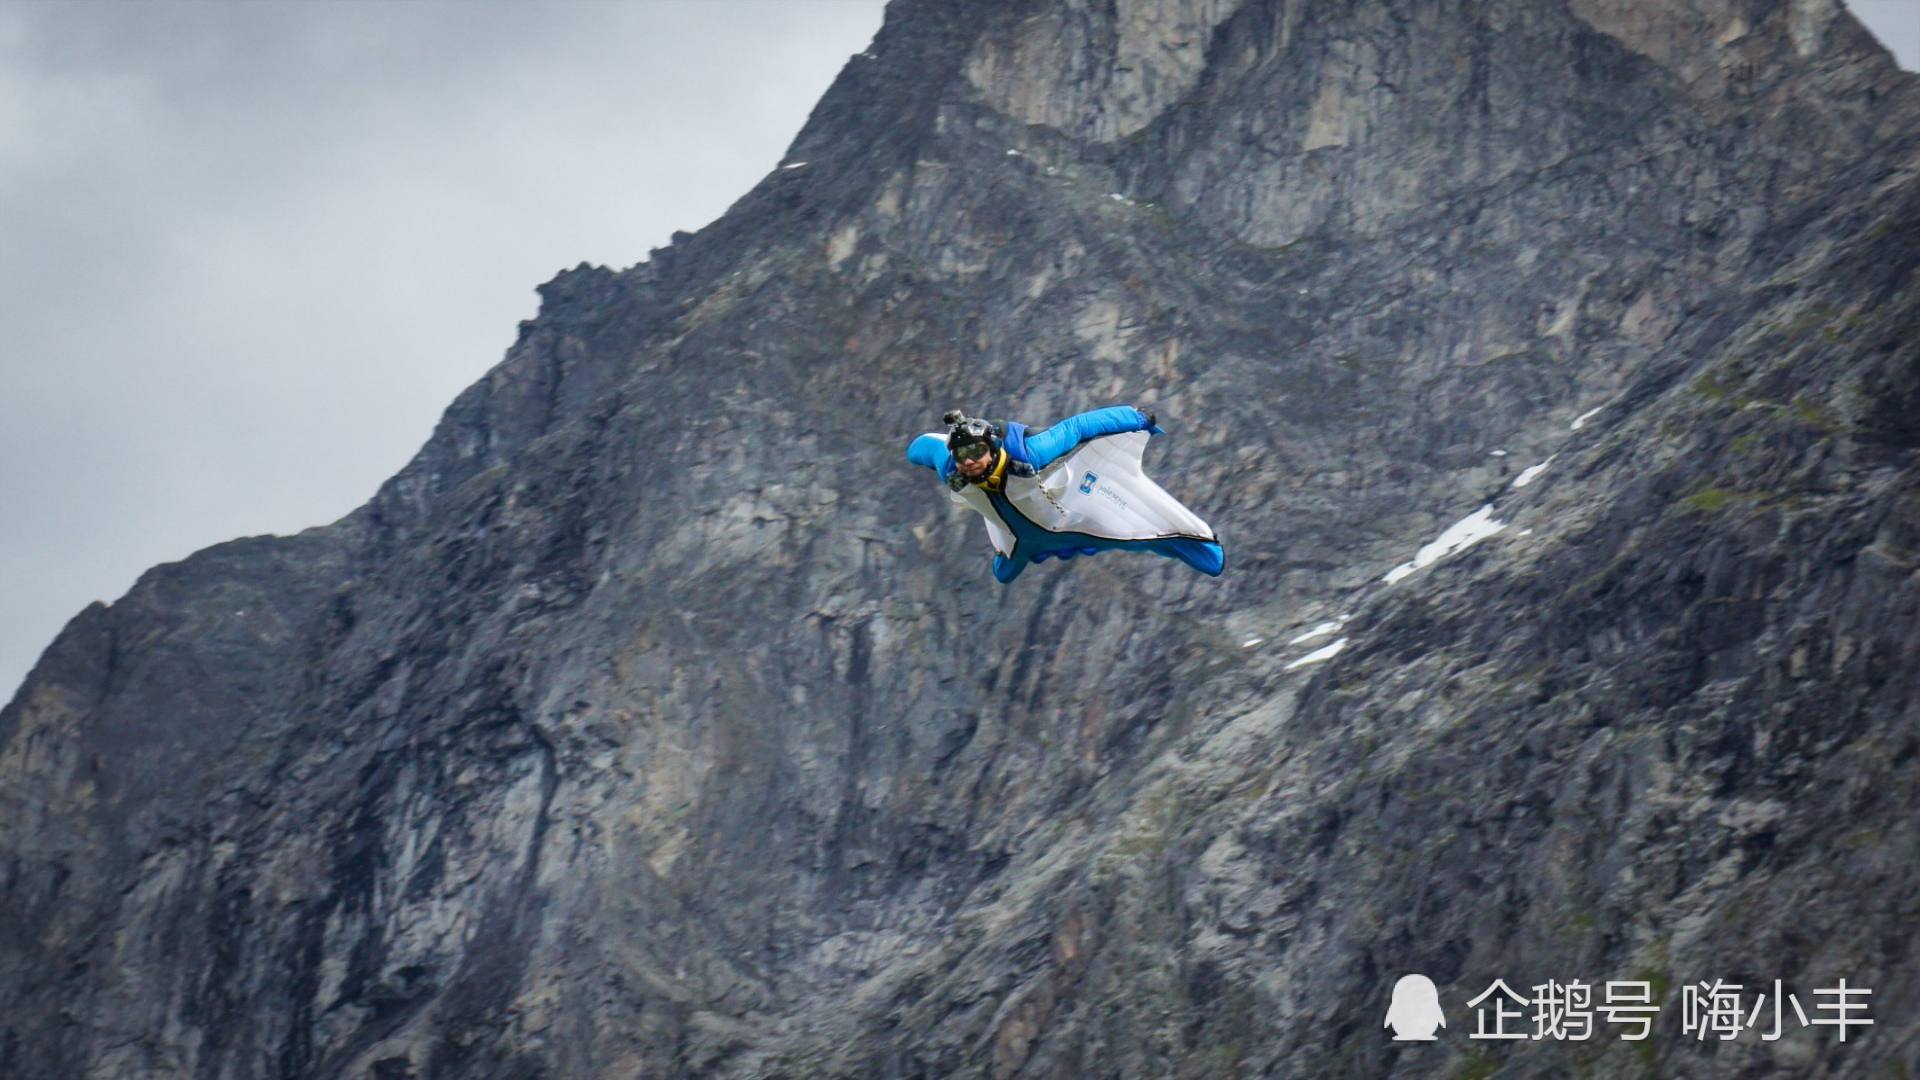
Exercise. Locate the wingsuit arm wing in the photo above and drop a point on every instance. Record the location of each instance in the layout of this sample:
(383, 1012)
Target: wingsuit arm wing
(929, 450)
(1044, 446)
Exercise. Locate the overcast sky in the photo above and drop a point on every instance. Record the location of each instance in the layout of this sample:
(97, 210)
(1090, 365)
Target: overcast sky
(249, 251)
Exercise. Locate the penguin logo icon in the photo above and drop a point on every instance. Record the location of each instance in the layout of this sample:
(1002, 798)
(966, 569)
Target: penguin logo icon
(1415, 1011)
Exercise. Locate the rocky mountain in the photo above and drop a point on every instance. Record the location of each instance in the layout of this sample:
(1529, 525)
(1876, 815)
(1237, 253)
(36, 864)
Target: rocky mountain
(659, 720)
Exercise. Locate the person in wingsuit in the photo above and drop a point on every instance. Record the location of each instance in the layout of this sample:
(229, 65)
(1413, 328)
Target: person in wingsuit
(1075, 488)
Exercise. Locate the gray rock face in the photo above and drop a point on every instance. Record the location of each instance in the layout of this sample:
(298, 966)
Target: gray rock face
(658, 720)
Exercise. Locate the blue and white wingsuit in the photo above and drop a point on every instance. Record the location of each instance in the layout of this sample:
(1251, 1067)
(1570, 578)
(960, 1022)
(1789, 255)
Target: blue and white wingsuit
(1086, 494)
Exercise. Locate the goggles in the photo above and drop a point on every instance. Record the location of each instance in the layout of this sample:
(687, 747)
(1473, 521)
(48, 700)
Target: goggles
(972, 451)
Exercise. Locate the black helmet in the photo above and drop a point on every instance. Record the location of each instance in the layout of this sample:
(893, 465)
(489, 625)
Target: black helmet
(964, 430)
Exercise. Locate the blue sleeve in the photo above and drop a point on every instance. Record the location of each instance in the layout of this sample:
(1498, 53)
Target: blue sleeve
(1044, 446)
(929, 450)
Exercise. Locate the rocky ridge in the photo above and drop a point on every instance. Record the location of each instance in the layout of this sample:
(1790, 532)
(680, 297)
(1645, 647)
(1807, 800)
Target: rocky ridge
(657, 720)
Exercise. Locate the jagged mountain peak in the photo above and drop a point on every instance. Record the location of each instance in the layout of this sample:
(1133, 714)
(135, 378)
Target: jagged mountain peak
(1547, 370)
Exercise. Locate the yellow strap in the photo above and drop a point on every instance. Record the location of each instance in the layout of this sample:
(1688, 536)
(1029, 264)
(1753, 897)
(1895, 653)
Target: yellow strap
(996, 479)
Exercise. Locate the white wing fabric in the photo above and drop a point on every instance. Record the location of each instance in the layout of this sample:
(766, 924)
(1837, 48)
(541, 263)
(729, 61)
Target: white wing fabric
(1093, 498)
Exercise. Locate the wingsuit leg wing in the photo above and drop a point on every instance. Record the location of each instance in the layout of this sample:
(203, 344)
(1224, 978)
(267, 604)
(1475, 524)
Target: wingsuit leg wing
(1094, 498)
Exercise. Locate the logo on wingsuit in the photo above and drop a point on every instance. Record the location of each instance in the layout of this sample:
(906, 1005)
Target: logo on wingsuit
(1086, 485)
